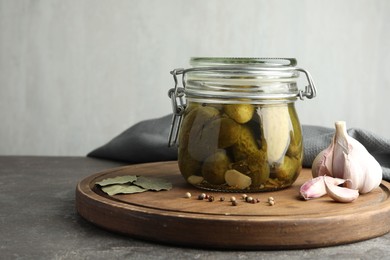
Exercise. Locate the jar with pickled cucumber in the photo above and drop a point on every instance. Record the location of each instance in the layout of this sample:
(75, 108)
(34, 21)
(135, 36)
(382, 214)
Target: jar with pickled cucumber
(235, 123)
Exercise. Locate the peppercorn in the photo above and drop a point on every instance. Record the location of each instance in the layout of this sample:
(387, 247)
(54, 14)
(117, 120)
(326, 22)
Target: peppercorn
(188, 195)
(249, 199)
(201, 196)
(233, 199)
(211, 198)
(222, 199)
(234, 203)
(244, 196)
(271, 201)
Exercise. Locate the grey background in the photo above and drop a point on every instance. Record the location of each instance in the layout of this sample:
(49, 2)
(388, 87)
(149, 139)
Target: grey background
(73, 74)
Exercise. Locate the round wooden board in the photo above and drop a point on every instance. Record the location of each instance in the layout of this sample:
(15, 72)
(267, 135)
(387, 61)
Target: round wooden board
(169, 217)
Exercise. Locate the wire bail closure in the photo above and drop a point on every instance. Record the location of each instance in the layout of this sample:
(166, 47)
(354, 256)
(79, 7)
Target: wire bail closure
(310, 90)
(176, 94)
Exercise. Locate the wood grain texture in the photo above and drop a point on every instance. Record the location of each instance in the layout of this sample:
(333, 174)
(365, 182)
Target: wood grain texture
(169, 217)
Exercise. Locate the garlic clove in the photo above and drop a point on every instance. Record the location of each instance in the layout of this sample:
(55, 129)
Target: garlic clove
(340, 194)
(237, 179)
(276, 127)
(315, 187)
(373, 178)
(341, 146)
(365, 175)
(194, 179)
(322, 164)
(352, 171)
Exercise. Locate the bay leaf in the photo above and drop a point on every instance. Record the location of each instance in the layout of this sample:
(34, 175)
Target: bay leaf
(151, 183)
(122, 188)
(117, 180)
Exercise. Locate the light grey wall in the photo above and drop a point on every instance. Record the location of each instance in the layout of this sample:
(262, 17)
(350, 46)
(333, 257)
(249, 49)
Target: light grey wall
(73, 74)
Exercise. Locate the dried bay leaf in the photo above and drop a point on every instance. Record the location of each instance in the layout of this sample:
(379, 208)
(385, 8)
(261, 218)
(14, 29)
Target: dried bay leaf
(151, 183)
(117, 180)
(129, 184)
(122, 188)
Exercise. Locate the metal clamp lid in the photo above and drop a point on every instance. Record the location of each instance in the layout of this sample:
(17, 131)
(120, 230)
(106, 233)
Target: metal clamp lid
(176, 94)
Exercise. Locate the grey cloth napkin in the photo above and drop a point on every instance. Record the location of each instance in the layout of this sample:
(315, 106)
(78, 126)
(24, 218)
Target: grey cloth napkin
(147, 141)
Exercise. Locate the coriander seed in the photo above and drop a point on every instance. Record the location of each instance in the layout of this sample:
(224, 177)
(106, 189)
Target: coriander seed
(187, 195)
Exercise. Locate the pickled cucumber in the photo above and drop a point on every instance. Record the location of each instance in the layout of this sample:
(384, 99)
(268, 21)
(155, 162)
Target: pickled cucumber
(256, 167)
(246, 144)
(252, 160)
(187, 124)
(226, 130)
(241, 113)
(188, 166)
(215, 166)
(295, 147)
(287, 171)
(259, 169)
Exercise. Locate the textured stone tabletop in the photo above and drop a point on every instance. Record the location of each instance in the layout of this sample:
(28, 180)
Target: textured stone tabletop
(38, 220)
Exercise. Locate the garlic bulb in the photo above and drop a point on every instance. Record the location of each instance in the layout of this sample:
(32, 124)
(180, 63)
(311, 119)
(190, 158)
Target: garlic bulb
(346, 158)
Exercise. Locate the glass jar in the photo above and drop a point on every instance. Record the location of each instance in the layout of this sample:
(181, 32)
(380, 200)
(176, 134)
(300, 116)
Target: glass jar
(236, 123)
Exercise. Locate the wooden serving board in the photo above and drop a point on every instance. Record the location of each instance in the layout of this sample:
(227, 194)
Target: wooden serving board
(169, 217)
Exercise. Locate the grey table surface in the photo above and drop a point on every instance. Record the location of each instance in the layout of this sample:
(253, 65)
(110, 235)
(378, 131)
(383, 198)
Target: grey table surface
(38, 220)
